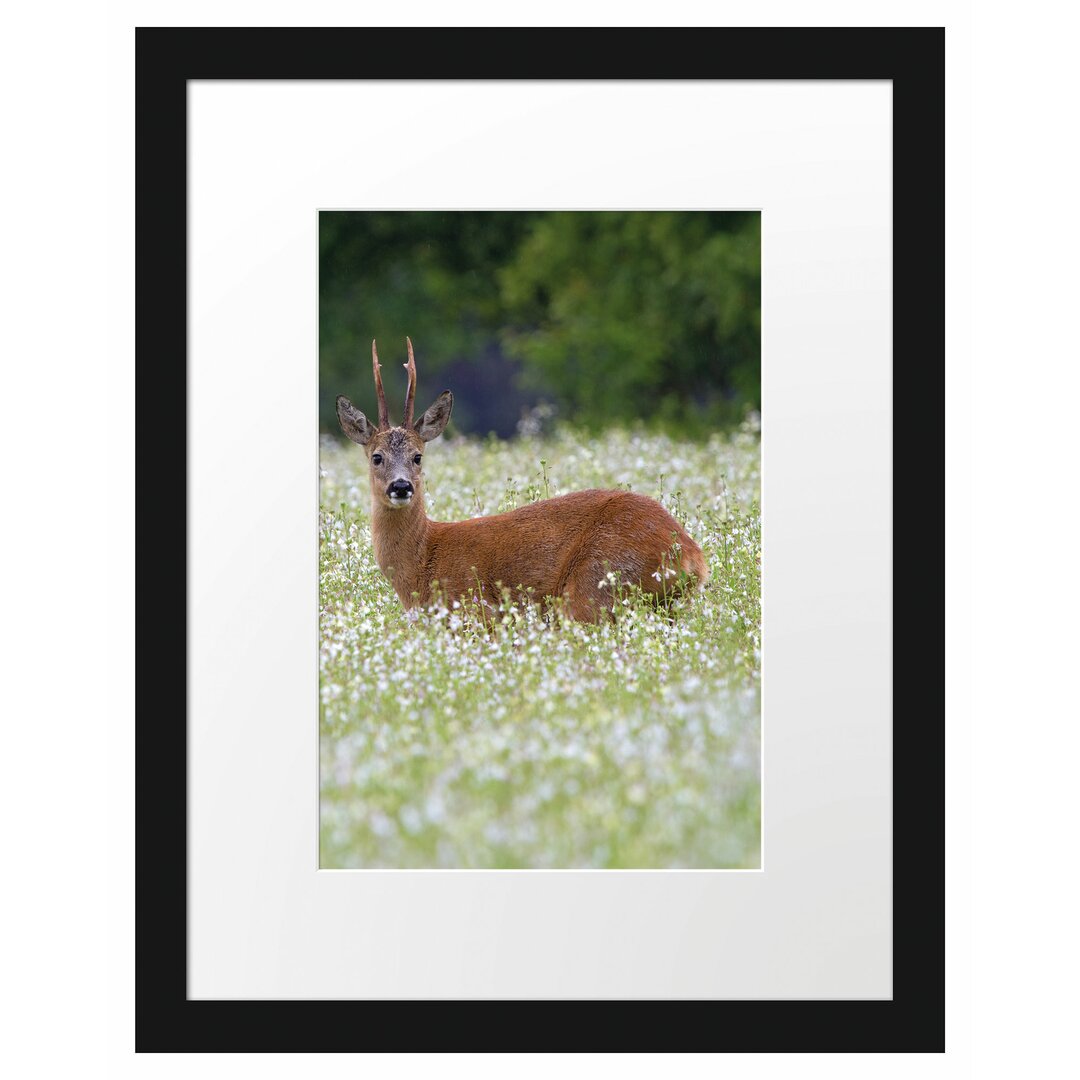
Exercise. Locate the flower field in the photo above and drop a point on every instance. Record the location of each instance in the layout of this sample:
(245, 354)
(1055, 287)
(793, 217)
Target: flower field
(539, 742)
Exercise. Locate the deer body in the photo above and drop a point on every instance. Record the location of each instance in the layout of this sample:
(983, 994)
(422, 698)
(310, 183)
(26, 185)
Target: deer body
(562, 547)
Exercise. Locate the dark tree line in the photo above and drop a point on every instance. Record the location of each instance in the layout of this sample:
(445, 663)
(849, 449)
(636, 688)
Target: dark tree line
(612, 317)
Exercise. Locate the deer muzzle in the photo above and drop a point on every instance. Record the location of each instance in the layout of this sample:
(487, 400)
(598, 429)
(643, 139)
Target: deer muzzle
(400, 492)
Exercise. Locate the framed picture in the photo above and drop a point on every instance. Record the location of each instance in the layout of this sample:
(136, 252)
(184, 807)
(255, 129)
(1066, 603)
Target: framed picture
(674, 767)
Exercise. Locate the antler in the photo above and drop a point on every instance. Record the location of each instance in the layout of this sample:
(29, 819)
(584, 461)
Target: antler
(410, 394)
(384, 412)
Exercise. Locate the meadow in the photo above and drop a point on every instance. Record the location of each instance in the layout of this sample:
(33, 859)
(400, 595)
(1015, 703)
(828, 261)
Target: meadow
(539, 742)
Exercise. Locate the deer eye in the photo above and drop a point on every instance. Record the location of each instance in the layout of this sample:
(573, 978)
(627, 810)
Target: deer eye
(416, 459)
(376, 459)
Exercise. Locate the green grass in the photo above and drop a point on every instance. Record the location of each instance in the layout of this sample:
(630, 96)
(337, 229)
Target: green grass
(544, 744)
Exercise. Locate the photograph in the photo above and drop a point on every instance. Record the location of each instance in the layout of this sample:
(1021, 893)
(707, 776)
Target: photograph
(540, 540)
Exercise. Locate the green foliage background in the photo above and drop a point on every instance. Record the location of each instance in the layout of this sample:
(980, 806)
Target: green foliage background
(612, 317)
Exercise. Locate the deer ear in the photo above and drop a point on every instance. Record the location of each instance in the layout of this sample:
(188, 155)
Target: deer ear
(353, 422)
(433, 423)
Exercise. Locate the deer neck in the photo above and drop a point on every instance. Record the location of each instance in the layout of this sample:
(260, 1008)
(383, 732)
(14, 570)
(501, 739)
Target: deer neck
(399, 537)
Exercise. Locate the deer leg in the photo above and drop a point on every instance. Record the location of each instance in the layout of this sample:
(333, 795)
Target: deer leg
(588, 593)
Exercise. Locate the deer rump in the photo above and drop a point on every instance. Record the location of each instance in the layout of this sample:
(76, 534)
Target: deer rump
(566, 547)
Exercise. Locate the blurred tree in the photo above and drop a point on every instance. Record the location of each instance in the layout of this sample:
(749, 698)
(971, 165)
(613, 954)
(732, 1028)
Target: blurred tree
(615, 316)
(429, 275)
(633, 315)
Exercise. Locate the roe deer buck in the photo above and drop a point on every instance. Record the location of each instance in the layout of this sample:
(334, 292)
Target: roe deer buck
(560, 547)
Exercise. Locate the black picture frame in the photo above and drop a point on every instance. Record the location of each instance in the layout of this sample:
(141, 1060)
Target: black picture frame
(914, 1019)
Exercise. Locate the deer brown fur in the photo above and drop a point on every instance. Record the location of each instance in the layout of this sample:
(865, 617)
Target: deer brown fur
(562, 547)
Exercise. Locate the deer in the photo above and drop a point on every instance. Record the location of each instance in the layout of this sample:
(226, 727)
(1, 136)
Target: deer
(571, 549)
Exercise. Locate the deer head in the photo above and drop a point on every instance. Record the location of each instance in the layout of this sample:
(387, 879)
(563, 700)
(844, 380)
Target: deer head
(395, 454)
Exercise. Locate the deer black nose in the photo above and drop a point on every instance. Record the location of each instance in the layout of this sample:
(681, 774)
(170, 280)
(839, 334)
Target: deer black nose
(399, 489)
